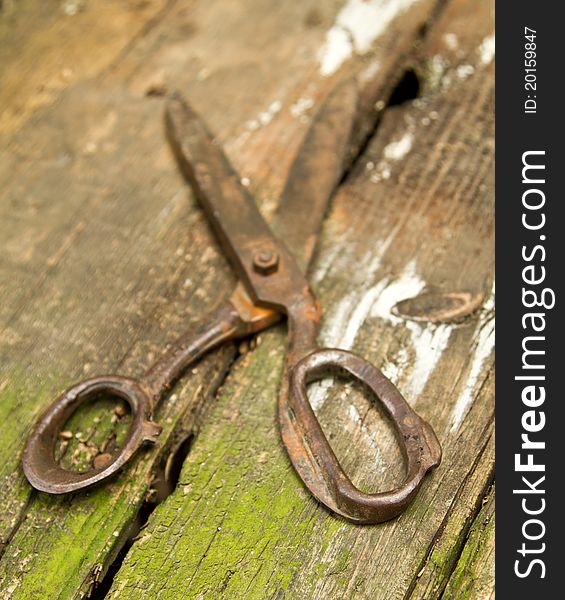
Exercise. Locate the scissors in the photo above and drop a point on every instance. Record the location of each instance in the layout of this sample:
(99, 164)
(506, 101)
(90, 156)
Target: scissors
(272, 285)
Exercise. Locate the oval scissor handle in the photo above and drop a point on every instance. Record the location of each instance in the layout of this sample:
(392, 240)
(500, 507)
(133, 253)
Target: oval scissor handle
(39, 464)
(231, 319)
(314, 458)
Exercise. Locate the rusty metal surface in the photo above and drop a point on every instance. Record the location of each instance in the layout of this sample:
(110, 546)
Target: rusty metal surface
(272, 284)
(142, 395)
(316, 462)
(315, 173)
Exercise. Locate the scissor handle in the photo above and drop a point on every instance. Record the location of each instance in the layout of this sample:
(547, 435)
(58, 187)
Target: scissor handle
(316, 462)
(39, 463)
(232, 319)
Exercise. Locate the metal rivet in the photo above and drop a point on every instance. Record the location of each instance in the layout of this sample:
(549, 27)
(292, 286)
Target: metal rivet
(265, 261)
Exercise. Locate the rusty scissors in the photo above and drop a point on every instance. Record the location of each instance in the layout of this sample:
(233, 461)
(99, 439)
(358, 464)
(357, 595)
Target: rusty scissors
(272, 285)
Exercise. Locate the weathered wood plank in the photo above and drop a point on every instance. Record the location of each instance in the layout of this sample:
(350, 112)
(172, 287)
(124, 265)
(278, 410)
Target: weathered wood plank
(474, 573)
(98, 272)
(415, 214)
(455, 49)
(64, 329)
(48, 46)
(438, 567)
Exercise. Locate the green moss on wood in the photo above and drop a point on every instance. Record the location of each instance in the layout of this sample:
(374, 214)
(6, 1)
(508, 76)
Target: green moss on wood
(64, 544)
(474, 572)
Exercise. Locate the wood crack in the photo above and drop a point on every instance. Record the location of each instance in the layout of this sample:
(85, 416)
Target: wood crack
(463, 532)
(273, 532)
(489, 486)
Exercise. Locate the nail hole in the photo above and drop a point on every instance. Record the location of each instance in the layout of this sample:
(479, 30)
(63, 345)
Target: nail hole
(156, 89)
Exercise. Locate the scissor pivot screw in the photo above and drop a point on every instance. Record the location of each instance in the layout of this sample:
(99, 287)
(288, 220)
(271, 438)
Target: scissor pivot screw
(265, 262)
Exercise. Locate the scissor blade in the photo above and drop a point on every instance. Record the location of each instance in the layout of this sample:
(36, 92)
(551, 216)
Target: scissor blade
(315, 173)
(241, 229)
(232, 212)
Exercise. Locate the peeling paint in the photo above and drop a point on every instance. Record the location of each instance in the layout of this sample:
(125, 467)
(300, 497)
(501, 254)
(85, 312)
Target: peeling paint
(428, 340)
(464, 71)
(407, 285)
(357, 25)
(484, 345)
(399, 149)
(451, 41)
(393, 152)
(318, 391)
(393, 369)
(264, 117)
(300, 107)
(361, 310)
(437, 68)
(340, 327)
(336, 50)
(429, 343)
(487, 50)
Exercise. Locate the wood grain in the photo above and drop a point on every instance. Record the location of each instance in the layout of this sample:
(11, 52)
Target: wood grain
(98, 270)
(107, 256)
(415, 214)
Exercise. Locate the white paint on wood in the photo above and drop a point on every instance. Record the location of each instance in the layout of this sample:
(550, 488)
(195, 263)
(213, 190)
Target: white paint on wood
(428, 340)
(318, 391)
(393, 152)
(360, 309)
(464, 71)
(302, 105)
(398, 149)
(337, 48)
(486, 50)
(482, 349)
(265, 116)
(437, 68)
(396, 367)
(357, 25)
(341, 325)
(325, 262)
(451, 41)
(407, 285)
